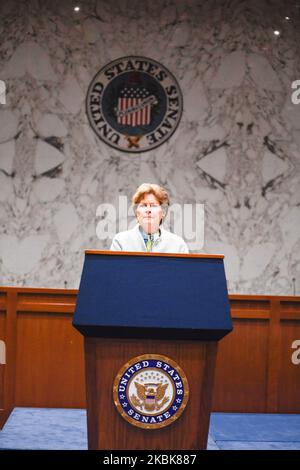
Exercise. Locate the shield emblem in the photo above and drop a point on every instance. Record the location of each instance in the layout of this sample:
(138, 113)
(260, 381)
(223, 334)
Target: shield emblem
(134, 109)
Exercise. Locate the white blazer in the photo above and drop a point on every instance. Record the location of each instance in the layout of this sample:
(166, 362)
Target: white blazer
(132, 240)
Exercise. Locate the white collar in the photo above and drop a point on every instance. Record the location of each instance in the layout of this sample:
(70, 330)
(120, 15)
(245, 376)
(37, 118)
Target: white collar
(155, 236)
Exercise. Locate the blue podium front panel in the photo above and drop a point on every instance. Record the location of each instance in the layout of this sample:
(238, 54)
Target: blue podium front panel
(153, 297)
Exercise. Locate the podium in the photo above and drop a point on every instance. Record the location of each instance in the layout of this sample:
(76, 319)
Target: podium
(151, 324)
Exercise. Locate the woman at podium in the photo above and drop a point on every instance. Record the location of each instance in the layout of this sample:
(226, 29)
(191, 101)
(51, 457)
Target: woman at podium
(150, 203)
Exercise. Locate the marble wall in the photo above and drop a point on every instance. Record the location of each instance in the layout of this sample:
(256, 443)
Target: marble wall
(237, 147)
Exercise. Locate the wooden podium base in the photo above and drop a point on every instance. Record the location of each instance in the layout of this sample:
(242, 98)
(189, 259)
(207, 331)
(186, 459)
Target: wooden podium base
(107, 430)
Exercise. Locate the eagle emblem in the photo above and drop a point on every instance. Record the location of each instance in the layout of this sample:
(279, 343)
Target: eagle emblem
(150, 391)
(150, 397)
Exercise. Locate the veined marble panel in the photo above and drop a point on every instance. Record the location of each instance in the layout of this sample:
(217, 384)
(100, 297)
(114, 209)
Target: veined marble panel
(236, 150)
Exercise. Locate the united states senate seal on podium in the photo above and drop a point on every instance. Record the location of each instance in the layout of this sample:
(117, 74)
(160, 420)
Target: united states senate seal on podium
(151, 391)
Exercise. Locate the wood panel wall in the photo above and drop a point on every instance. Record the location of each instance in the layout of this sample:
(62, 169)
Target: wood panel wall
(45, 363)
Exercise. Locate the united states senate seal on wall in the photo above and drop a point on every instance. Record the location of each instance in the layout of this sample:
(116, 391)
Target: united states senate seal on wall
(151, 391)
(134, 104)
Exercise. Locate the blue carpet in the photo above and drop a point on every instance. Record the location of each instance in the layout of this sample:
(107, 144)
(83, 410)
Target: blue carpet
(255, 431)
(47, 428)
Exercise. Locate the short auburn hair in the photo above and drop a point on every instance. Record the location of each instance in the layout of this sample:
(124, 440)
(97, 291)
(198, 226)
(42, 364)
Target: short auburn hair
(151, 188)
